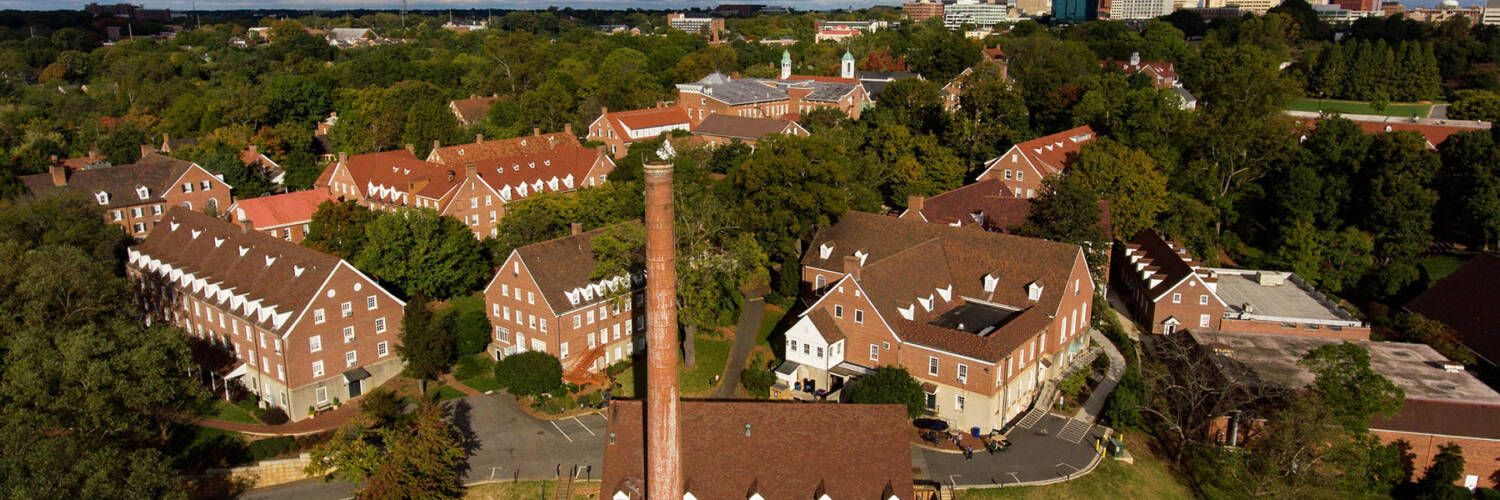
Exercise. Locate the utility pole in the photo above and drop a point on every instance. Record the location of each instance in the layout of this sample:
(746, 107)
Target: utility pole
(403, 14)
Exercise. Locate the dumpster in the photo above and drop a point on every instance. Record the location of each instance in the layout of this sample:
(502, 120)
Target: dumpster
(974, 431)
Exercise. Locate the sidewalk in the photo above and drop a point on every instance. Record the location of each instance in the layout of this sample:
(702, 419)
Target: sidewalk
(325, 421)
(1091, 408)
(744, 341)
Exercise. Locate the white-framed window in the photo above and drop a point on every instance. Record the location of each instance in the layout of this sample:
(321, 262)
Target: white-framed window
(382, 349)
(531, 298)
(859, 316)
(562, 350)
(505, 289)
(136, 212)
(318, 316)
(1020, 176)
(590, 314)
(1176, 298)
(932, 365)
(370, 303)
(543, 324)
(315, 343)
(280, 372)
(807, 348)
(156, 209)
(318, 368)
(531, 321)
(187, 187)
(963, 373)
(838, 311)
(958, 402)
(277, 344)
(346, 309)
(1203, 300)
(203, 185)
(577, 320)
(1007, 175)
(348, 334)
(591, 340)
(820, 353)
(117, 215)
(819, 282)
(379, 325)
(885, 345)
(1203, 320)
(495, 309)
(350, 358)
(138, 227)
(321, 394)
(791, 345)
(502, 334)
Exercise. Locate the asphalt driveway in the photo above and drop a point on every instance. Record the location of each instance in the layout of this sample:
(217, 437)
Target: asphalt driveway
(505, 443)
(1036, 454)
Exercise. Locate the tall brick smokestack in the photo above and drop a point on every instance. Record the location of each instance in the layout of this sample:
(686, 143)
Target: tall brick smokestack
(663, 457)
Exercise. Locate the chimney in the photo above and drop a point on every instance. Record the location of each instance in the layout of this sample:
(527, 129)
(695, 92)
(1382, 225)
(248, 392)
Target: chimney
(247, 226)
(568, 127)
(254, 150)
(471, 169)
(663, 457)
(165, 139)
(603, 110)
(343, 158)
(59, 174)
(412, 148)
(436, 144)
(851, 266)
(471, 96)
(93, 153)
(576, 227)
(536, 131)
(914, 202)
(478, 138)
(450, 176)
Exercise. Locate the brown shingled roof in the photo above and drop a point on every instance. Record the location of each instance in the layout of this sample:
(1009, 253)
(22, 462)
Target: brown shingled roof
(473, 109)
(908, 261)
(564, 168)
(826, 326)
(402, 170)
(156, 172)
(1053, 153)
(492, 149)
(989, 203)
(732, 449)
(276, 272)
(1443, 417)
(1171, 261)
(563, 264)
(743, 127)
(1465, 302)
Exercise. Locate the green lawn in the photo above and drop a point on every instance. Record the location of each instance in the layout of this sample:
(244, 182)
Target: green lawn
(712, 355)
(473, 302)
(768, 324)
(477, 372)
(1441, 265)
(228, 412)
(1148, 477)
(1359, 107)
(445, 393)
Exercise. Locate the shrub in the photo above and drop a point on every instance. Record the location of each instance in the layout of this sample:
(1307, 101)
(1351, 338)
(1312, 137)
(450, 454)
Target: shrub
(529, 373)
(1074, 383)
(266, 449)
(473, 366)
(273, 416)
(590, 399)
(618, 367)
(383, 405)
(890, 385)
(756, 380)
(470, 331)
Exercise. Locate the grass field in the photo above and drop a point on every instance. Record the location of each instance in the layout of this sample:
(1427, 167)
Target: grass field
(228, 412)
(531, 490)
(712, 355)
(1442, 265)
(1148, 477)
(1359, 107)
(445, 393)
(477, 372)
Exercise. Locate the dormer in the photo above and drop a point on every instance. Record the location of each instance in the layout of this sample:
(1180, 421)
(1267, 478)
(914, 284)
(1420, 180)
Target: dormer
(990, 282)
(1034, 291)
(102, 197)
(926, 302)
(825, 250)
(907, 312)
(143, 192)
(946, 293)
(861, 254)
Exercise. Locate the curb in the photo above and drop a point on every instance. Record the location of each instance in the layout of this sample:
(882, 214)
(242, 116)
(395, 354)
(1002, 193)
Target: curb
(1093, 464)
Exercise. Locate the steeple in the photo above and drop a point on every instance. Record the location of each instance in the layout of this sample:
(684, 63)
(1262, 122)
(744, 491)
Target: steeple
(786, 64)
(847, 66)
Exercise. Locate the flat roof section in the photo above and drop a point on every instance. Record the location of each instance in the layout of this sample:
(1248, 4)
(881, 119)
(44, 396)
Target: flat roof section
(1286, 299)
(1415, 368)
(975, 318)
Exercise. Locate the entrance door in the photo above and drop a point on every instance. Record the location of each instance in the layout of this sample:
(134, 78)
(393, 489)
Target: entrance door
(354, 389)
(1168, 329)
(520, 342)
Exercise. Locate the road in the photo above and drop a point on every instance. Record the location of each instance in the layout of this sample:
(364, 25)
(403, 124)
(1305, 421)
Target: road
(744, 340)
(506, 443)
(1036, 454)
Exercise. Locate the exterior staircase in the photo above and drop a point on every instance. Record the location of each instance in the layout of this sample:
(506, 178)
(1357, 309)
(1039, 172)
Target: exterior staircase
(1075, 430)
(565, 487)
(580, 373)
(1040, 407)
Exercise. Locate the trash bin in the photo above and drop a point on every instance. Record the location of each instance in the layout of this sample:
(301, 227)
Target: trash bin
(974, 431)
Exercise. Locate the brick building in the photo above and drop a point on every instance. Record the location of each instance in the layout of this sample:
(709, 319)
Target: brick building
(472, 110)
(1024, 165)
(1162, 73)
(137, 195)
(988, 204)
(621, 128)
(306, 327)
(1464, 301)
(1443, 403)
(286, 216)
(723, 129)
(1170, 291)
(543, 298)
(982, 319)
(770, 98)
(480, 196)
(390, 180)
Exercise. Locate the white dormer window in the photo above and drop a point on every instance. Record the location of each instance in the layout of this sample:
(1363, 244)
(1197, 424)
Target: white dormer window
(243, 250)
(102, 197)
(907, 312)
(218, 241)
(824, 251)
(990, 282)
(946, 293)
(926, 302)
(1034, 291)
(143, 192)
(861, 254)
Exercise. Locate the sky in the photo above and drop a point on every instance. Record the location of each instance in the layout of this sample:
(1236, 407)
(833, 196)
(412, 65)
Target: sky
(186, 5)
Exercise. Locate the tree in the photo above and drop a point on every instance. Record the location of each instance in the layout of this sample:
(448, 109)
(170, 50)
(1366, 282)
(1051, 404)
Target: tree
(529, 373)
(338, 228)
(470, 331)
(221, 158)
(1415, 327)
(1468, 185)
(423, 458)
(294, 98)
(791, 184)
(1068, 211)
(1345, 383)
(1438, 480)
(1128, 179)
(890, 385)
(426, 347)
(1399, 205)
(422, 252)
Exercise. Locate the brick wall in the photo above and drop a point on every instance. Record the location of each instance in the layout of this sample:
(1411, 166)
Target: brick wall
(1250, 326)
(1016, 171)
(475, 198)
(1481, 456)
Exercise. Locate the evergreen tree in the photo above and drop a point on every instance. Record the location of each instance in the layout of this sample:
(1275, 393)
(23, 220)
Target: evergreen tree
(1329, 76)
(426, 347)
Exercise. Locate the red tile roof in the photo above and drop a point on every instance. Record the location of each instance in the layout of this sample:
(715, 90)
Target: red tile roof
(1465, 302)
(1053, 153)
(473, 109)
(646, 118)
(282, 209)
(384, 176)
(1170, 261)
(565, 168)
(733, 449)
(990, 204)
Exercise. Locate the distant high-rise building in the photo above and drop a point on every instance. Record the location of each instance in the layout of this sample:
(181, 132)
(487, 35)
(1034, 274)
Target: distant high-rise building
(980, 14)
(1075, 11)
(711, 26)
(1491, 12)
(922, 10)
(1141, 9)
(1032, 8)
(1359, 5)
(1257, 7)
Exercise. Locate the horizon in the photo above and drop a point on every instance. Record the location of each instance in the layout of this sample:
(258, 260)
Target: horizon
(440, 5)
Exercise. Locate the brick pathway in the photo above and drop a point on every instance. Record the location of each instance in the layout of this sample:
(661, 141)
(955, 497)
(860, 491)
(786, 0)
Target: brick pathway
(449, 381)
(325, 421)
